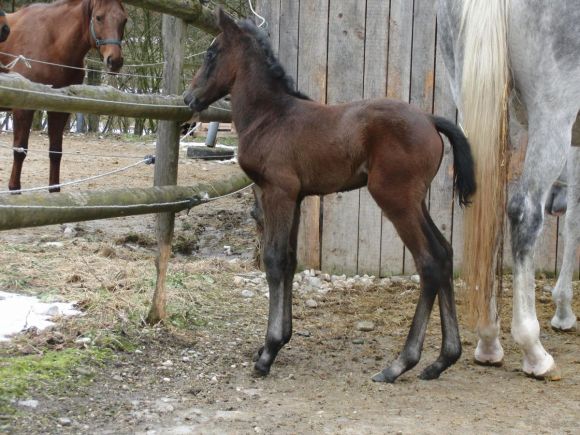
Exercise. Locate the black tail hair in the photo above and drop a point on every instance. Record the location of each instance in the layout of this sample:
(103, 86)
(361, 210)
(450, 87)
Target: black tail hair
(464, 171)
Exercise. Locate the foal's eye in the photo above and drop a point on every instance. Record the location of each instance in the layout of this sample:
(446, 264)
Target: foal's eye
(99, 18)
(210, 55)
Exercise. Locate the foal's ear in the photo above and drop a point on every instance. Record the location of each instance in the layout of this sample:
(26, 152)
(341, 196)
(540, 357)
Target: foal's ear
(226, 23)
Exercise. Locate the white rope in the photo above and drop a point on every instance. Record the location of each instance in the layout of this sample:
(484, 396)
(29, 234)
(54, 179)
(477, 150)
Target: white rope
(27, 60)
(194, 201)
(82, 180)
(70, 153)
(256, 14)
(95, 100)
(147, 65)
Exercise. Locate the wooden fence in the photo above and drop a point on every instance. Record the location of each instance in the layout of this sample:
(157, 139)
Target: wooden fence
(345, 50)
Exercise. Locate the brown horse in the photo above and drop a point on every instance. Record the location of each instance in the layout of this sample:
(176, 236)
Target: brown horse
(4, 28)
(61, 33)
(293, 147)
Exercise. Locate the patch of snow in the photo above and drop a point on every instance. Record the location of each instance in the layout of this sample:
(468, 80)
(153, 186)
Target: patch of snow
(18, 313)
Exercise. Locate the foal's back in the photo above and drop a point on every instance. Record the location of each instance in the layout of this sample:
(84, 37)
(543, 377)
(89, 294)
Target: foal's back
(332, 148)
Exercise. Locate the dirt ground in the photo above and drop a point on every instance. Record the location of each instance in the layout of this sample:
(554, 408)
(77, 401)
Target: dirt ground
(193, 374)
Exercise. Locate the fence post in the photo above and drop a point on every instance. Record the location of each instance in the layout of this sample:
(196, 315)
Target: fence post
(167, 154)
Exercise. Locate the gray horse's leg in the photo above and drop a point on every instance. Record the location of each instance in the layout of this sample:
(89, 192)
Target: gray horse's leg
(564, 318)
(549, 139)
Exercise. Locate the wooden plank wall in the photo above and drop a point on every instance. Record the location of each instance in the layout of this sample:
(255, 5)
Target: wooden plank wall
(345, 50)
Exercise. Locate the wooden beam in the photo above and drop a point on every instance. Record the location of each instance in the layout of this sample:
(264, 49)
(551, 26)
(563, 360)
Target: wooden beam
(33, 210)
(191, 11)
(173, 36)
(18, 92)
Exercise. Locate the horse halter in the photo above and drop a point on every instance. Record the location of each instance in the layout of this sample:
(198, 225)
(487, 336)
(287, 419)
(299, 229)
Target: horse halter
(2, 13)
(101, 42)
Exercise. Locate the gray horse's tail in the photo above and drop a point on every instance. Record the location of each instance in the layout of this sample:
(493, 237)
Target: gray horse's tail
(464, 172)
(483, 105)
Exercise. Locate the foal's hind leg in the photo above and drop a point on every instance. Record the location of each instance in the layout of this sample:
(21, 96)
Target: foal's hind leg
(281, 218)
(56, 123)
(564, 319)
(434, 266)
(451, 346)
(22, 125)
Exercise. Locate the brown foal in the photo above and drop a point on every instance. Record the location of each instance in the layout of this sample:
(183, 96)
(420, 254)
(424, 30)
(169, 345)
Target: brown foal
(62, 33)
(292, 147)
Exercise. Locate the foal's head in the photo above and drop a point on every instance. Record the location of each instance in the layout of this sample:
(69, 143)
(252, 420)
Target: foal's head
(216, 76)
(107, 19)
(240, 51)
(4, 29)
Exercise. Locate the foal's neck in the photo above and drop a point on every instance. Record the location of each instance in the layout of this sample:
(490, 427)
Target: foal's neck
(257, 98)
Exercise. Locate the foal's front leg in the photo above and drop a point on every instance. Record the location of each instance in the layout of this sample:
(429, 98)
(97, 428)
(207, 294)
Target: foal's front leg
(279, 253)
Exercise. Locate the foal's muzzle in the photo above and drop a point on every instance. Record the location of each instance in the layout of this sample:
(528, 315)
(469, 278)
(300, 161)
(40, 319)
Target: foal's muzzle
(194, 103)
(4, 32)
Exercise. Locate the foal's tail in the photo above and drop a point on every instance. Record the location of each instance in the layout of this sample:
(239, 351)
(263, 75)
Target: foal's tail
(464, 172)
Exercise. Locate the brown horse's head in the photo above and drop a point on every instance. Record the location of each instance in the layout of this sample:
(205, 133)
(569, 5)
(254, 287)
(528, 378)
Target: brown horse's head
(4, 29)
(216, 76)
(107, 19)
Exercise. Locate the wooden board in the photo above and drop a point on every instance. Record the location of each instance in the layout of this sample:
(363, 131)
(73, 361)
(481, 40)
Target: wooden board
(375, 86)
(270, 10)
(422, 74)
(288, 45)
(398, 85)
(346, 32)
(312, 57)
(441, 194)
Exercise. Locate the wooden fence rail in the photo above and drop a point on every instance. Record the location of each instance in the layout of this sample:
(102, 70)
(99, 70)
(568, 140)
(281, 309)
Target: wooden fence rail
(22, 211)
(21, 93)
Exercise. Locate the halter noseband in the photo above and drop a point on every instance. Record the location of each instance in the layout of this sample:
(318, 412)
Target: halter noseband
(100, 42)
(2, 13)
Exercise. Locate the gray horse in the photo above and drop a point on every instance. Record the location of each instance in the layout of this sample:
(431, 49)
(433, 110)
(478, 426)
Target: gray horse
(539, 85)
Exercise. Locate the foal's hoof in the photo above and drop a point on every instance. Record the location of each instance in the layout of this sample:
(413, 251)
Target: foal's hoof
(258, 354)
(261, 370)
(430, 373)
(384, 376)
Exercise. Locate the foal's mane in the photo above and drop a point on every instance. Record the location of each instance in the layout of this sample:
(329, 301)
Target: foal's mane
(275, 68)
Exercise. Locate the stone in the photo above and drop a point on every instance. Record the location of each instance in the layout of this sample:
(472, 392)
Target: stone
(83, 340)
(64, 421)
(416, 279)
(247, 293)
(239, 281)
(303, 333)
(358, 341)
(315, 282)
(547, 288)
(167, 363)
(311, 303)
(365, 325)
(30, 403)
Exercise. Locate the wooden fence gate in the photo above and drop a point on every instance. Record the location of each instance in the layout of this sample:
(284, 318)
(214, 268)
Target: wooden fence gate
(345, 50)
